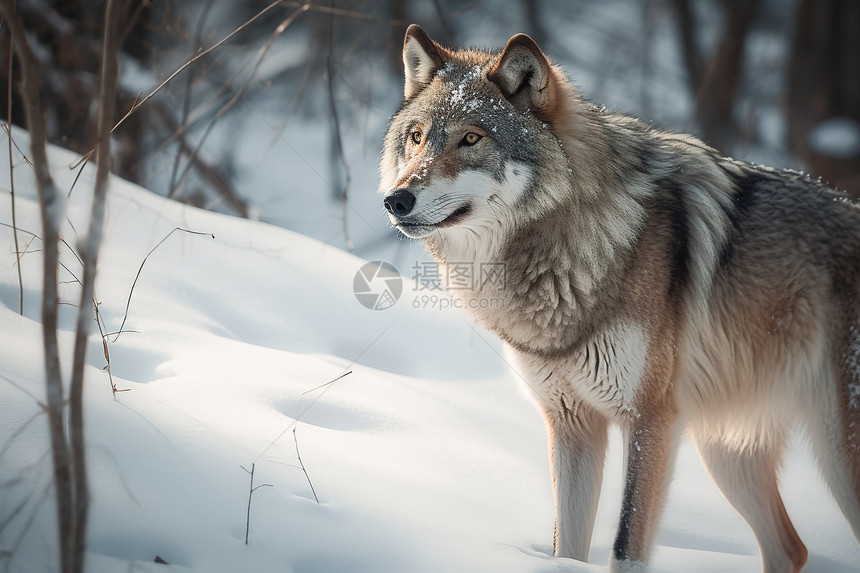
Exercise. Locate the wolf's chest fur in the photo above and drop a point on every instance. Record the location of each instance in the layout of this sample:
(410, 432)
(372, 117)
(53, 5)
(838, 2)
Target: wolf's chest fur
(604, 372)
(562, 312)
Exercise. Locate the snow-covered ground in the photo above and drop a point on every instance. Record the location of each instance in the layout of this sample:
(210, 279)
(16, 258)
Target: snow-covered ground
(428, 457)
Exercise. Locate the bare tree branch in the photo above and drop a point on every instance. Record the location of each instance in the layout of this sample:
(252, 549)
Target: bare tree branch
(89, 252)
(140, 269)
(303, 468)
(12, 186)
(189, 83)
(261, 53)
(337, 156)
(52, 208)
(251, 491)
(201, 54)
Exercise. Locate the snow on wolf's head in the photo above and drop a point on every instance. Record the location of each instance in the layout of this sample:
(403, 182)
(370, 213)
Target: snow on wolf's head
(461, 155)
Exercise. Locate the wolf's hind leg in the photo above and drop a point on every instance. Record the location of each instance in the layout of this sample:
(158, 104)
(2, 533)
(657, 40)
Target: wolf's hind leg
(843, 477)
(835, 433)
(577, 442)
(747, 477)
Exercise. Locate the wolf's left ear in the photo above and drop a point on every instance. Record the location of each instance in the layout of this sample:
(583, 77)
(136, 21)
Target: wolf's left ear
(522, 72)
(422, 57)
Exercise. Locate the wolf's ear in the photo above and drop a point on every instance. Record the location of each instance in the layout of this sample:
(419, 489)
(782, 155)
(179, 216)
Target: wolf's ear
(422, 57)
(522, 72)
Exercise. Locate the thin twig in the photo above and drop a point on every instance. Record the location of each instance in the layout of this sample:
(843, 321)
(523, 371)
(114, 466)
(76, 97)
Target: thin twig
(81, 162)
(337, 139)
(138, 101)
(21, 151)
(261, 53)
(73, 251)
(326, 384)
(351, 14)
(12, 184)
(180, 69)
(189, 84)
(214, 177)
(137, 276)
(251, 491)
(326, 388)
(114, 333)
(99, 322)
(302, 464)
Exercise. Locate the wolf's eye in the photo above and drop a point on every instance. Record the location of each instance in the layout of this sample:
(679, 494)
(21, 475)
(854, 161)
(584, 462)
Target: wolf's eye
(471, 139)
(415, 136)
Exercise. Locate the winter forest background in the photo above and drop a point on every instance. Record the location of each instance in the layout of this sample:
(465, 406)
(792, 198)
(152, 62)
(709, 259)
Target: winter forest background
(284, 125)
(226, 336)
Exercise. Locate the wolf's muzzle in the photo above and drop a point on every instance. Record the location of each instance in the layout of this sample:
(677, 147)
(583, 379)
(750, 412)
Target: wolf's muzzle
(399, 202)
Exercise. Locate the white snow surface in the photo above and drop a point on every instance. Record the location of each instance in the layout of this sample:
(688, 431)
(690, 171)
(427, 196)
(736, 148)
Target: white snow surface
(428, 457)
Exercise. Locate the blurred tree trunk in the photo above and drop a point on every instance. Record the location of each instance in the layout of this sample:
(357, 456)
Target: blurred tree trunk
(68, 444)
(823, 82)
(394, 49)
(88, 251)
(714, 79)
(52, 210)
(534, 21)
(67, 36)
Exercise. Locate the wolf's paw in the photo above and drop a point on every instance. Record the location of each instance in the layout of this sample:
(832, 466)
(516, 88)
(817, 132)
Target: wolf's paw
(627, 566)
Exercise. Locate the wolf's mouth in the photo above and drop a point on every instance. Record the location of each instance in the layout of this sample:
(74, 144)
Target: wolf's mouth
(458, 215)
(417, 230)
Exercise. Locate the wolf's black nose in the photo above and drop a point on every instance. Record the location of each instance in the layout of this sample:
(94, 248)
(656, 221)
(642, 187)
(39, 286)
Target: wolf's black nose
(399, 202)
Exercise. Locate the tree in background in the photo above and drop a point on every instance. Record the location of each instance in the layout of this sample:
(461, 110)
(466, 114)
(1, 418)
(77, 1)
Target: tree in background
(824, 84)
(714, 79)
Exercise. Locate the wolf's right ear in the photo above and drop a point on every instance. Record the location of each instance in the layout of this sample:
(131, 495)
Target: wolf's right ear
(422, 57)
(523, 74)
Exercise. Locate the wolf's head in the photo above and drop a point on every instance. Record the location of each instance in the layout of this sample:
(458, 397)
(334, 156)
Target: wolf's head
(462, 153)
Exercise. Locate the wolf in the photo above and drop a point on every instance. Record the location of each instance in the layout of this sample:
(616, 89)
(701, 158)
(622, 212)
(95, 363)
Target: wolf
(651, 283)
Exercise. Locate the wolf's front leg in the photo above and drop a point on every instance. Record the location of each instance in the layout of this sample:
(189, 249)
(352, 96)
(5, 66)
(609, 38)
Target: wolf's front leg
(577, 441)
(651, 442)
